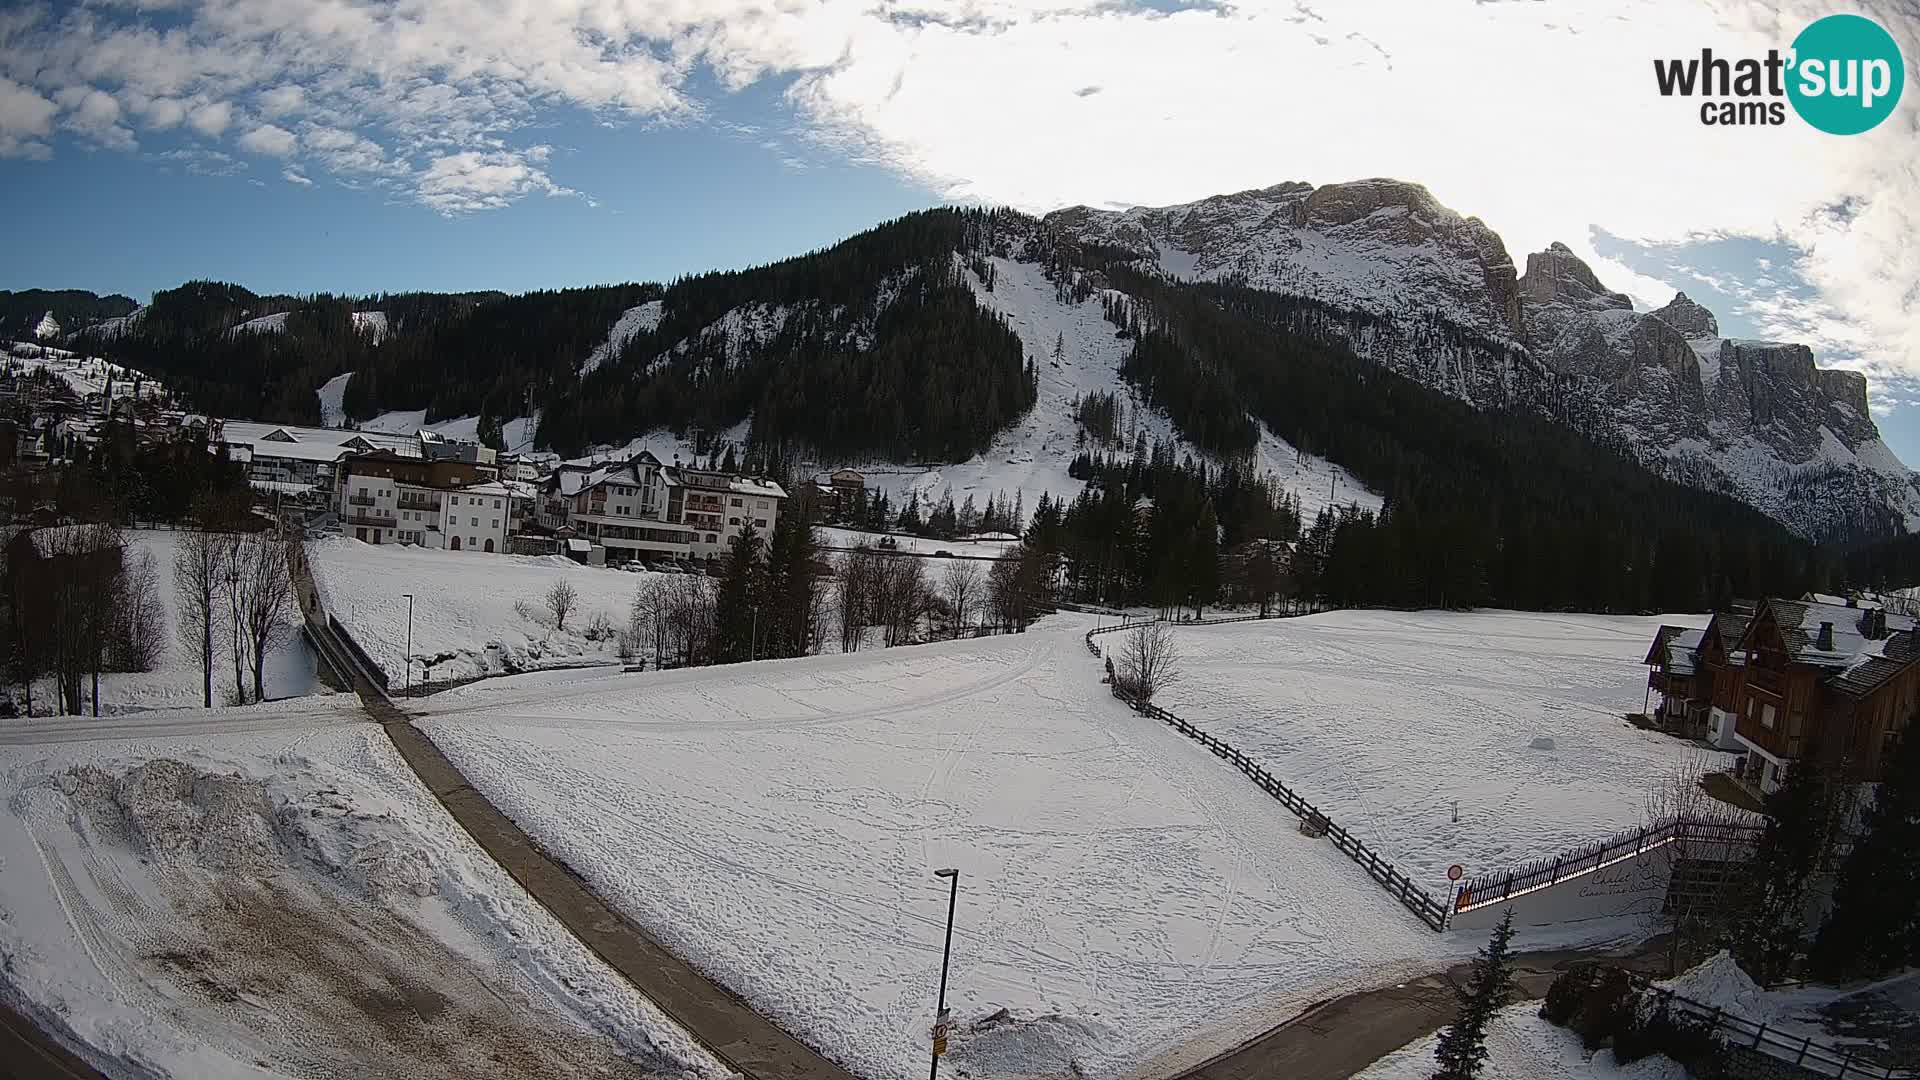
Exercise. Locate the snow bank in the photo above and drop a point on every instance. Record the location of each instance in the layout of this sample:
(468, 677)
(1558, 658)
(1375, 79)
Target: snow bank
(290, 904)
(465, 619)
(1522, 1046)
(1720, 982)
(1124, 897)
(1386, 720)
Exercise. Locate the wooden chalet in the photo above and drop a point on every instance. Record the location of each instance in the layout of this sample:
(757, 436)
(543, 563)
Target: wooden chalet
(1840, 680)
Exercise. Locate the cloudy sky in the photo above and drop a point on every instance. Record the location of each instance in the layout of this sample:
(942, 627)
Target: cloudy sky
(367, 145)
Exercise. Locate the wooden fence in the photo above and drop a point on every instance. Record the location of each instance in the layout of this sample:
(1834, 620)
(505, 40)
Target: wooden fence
(1500, 886)
(1417, 900)
(1799, 1051)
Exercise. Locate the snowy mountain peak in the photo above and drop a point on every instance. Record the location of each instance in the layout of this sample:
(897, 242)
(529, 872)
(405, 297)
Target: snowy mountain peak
(1692, 320)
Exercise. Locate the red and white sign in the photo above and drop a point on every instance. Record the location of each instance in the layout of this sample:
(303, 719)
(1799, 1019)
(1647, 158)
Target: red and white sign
(1456, 872)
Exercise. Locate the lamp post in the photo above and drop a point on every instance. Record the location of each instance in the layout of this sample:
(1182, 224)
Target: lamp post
(946, 957)
(408, 681)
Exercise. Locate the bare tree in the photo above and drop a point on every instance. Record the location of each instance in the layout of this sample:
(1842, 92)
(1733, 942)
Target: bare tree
(1149, 660)
(1703, 872)
(141, 638)
(858, 572)
(266, 602)
(561, 599)
(235, 577)
(197, 572)
(901, 598)
(962, 583)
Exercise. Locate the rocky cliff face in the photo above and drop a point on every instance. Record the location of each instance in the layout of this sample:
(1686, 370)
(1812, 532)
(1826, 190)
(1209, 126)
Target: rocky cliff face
(1757, 420)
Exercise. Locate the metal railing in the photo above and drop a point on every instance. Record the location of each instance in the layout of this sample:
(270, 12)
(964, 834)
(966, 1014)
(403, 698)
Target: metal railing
(1800, 1051)
(1500, 886)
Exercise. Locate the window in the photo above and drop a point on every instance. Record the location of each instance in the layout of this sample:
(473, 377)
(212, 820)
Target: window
(475, 522)
(1766, 717)
(736, 502)
(472, 540)
(496, 523)
(760, 504)
(733, 521)
(496, 504)
(760, 523)
(711, 538)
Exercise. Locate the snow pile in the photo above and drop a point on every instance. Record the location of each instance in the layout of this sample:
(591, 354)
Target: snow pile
(470, 609)
(634, 321)
(290, 904)
(1389, 720)
(1004, 1044)
(1522, 1046)
(1719, 982)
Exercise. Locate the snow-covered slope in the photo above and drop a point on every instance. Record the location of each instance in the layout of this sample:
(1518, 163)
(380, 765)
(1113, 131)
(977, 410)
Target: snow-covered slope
(265, 324)
(640, 319)
(85, 374)
(331, 393)
(47, 327)
(1757, 420)
(371, 323)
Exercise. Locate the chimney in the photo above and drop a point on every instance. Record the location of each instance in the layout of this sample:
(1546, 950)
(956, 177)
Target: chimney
(1825, 641)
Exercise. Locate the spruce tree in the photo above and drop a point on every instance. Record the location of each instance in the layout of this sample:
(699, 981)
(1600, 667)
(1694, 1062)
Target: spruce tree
(1797, 836)
(1462, 1049)
(1875, 924)
(737, 605)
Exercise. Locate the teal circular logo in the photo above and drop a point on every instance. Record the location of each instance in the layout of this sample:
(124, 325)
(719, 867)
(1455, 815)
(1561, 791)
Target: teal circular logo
(1847, 74)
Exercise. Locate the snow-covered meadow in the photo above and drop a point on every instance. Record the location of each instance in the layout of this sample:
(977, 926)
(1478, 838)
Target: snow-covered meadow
(467, 608)
(1387, 719)
(288, 903)
(1132, 902)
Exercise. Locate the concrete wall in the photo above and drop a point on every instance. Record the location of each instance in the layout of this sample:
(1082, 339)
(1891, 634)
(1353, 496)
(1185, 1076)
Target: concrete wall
(1634, 886)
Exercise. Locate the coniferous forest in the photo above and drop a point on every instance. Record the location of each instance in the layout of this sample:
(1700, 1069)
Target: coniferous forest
(877, 348)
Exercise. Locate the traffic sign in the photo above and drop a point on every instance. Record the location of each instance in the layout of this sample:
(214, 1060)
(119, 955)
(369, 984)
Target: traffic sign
(1456, 872)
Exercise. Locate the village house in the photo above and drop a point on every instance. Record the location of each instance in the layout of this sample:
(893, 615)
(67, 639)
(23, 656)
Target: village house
(641, 509)
(1836, 679)
(449, 501)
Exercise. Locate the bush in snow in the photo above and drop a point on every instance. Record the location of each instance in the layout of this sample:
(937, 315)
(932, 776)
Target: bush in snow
(1687, 1040)
(561, 600)
(599, 627)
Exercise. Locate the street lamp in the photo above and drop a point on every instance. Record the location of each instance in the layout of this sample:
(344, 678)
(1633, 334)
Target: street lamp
(946, 957)
(408, 681)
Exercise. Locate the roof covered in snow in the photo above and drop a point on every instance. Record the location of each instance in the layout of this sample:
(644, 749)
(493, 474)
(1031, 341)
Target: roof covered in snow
(1855, 632)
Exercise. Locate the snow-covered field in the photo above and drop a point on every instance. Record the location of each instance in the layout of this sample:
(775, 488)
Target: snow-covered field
(465, 622)
(176, 680)
(289, 903)
(1131, 901)
(1522, 1046)
(1385, 719)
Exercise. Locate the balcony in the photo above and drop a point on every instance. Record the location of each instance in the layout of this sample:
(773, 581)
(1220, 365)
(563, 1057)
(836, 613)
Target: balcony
(360, 500)
(1768, 680)
(382, 518)
(432, 505)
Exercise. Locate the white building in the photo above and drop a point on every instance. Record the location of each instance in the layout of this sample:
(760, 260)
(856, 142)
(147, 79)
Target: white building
(641, 509)
(387, 498)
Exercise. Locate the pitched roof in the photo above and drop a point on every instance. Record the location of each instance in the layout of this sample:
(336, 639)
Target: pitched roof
(1731, 627)
(1657, 652)
(1870, 672)
(1800, 621)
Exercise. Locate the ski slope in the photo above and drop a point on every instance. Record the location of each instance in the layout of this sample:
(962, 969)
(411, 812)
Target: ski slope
(290, 903)
(1128, 899)
(1386, 719)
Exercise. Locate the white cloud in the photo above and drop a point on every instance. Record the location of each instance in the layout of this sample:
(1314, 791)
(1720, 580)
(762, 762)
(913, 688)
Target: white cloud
(25, 119)
(1540, 118)
(470, 180)
(95, 115)
(210, 119)
(269, 140)
(283, 99)
(293, 177)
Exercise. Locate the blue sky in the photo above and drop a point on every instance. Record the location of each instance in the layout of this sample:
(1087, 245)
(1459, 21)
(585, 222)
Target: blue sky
(367, 145)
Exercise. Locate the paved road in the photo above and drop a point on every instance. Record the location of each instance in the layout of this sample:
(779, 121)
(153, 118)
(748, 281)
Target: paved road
(731, 1030)
(1345, 1035)
(27, 1053)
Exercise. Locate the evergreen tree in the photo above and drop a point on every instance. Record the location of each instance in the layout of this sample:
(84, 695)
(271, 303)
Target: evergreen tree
(1875, 924)
(791, 593)
(1796, 839)
(1462, 1049)
(738, 603)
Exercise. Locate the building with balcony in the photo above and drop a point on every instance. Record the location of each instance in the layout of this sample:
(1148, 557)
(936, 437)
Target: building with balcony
(450, 502)
(1837, 682)
(641, 509)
